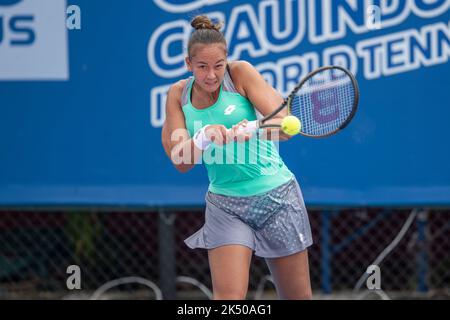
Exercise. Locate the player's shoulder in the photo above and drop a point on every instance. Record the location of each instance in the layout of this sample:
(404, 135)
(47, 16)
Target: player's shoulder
(243, 73)
(240, 66)
(176, 90)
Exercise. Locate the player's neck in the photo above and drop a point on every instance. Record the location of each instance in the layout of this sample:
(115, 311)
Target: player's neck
(208, 98)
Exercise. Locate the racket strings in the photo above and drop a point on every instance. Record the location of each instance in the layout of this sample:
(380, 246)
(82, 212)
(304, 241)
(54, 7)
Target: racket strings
(324, 102)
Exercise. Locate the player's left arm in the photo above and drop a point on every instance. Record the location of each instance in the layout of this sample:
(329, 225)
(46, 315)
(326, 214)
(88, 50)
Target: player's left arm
(261, 94)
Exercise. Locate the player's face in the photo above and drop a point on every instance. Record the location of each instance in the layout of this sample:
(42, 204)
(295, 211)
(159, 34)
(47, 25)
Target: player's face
(208, 64)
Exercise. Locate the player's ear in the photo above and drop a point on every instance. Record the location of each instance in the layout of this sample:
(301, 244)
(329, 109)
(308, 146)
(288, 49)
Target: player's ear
(188, 63)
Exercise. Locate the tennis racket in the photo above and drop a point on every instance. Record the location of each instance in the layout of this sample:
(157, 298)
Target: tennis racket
(325, 102)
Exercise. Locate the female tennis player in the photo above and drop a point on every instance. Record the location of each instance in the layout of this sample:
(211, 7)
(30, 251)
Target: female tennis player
(251, 206)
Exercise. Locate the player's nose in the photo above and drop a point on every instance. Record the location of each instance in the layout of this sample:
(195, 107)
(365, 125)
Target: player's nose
(211, 75)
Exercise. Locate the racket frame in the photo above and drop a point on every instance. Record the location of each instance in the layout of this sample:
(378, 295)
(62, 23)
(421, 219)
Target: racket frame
(286, 102)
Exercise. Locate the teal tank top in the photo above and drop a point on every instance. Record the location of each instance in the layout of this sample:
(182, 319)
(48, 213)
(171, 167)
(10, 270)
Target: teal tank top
(237, 168)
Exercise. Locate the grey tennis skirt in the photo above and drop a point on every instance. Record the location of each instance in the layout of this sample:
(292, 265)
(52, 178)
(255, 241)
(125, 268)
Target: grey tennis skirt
(273, 224)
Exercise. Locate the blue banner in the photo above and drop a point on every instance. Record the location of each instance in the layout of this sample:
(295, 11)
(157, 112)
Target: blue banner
(83, 86)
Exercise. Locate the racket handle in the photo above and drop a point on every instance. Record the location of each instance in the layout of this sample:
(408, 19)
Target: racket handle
(251, 127)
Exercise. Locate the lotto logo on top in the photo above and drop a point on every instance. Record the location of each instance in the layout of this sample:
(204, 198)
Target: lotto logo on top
(33, 40)
(180, 6)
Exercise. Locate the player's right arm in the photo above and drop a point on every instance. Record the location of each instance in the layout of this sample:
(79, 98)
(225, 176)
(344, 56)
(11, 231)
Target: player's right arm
(178, 145)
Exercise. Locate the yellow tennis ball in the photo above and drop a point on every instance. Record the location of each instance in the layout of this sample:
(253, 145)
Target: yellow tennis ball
(291, 125)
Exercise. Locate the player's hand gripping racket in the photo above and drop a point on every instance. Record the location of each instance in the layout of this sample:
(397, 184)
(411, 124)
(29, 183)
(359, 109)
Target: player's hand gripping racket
(325, 102)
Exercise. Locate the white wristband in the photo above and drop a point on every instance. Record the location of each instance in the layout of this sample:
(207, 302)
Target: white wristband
(200, 139)
(249, 127)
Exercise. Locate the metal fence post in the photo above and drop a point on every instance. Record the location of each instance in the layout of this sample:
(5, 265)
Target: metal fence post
(167, 261)
(422, 257)
(325, 246)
